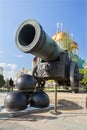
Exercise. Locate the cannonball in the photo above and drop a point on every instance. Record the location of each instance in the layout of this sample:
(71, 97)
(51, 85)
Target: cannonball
(15, 101)
(25, 82)
(39, 99)
(27, 94)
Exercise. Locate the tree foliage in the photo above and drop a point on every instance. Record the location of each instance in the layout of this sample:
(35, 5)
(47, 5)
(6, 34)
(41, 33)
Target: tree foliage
(2, 81)
(84, 80)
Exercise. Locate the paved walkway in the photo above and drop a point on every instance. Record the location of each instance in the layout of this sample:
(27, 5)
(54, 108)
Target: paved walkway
(47, 121)
(62, 120)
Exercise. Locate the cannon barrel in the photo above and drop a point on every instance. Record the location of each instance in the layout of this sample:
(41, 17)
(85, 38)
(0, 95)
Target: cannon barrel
(31, 38)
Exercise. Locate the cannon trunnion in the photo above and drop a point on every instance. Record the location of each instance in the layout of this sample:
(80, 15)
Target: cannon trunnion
(54, 62)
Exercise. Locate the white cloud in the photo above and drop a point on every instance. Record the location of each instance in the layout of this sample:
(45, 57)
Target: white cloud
(11, 66)
(19, 56)
(10, 70)
(85, 64)
(3, 65)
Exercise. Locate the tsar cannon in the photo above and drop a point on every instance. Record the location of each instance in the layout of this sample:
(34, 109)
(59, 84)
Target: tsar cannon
(53, 61)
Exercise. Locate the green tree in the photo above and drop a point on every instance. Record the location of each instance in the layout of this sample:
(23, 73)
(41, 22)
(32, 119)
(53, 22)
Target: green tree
(7, 81)
(84, 80)
(2, 81)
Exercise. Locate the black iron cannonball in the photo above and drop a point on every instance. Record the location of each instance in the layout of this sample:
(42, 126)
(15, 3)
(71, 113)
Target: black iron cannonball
(39, 99)
(25, 82)
(28, 95)
(15, 101)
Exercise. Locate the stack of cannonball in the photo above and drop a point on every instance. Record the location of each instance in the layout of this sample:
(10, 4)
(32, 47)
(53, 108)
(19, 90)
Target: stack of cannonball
(25, 95)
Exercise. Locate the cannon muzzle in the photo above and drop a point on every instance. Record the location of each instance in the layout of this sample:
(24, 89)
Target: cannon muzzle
(31, 38)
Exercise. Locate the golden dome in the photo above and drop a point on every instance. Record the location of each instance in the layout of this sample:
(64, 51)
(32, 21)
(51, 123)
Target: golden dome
(74, 45)
(22, 69)
(61, 36)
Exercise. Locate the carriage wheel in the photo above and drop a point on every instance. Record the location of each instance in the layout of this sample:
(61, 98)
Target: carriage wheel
(74, 73)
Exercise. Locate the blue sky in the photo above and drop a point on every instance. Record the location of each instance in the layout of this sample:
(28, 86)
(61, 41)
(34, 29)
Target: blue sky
(72, 13)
